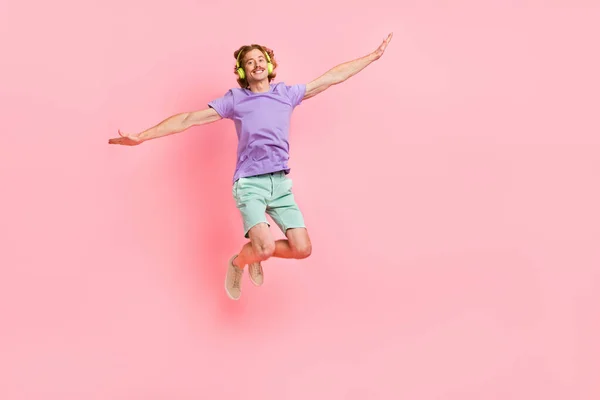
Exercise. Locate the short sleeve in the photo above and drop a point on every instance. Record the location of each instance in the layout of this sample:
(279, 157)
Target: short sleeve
(223, 105)
(296, 93)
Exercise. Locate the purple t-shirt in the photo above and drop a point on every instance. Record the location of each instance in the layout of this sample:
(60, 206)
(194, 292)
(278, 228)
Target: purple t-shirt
(262, 123)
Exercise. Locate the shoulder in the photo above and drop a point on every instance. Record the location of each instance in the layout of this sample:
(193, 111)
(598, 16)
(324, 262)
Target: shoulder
(237, 91)
(279, 87)
(283, 86)
(289, 90)
(232, 95)
(234, 91)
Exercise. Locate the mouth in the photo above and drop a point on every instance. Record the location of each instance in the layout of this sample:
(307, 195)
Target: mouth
(258, 71)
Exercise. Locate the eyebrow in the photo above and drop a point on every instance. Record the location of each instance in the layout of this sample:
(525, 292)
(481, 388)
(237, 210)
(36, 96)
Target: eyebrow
(247, 61)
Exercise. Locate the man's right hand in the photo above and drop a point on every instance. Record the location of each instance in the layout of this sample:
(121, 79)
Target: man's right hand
(127, 139)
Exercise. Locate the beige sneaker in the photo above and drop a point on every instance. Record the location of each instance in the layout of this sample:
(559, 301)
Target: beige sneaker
(233, 280)
(256, 273)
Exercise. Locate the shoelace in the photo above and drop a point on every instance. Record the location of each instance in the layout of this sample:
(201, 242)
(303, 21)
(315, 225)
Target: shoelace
(236, 278)
(255, 269)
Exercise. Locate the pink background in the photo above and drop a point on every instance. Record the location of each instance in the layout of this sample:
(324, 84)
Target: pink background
(451, 192)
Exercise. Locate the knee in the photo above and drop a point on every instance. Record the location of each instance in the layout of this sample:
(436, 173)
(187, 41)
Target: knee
(264, 250)
(302, 251)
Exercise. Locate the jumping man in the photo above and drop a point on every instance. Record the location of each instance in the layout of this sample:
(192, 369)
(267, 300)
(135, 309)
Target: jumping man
(261, 111)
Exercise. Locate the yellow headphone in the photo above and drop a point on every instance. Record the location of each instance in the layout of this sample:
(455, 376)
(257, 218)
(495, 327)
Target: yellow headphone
(242, 73)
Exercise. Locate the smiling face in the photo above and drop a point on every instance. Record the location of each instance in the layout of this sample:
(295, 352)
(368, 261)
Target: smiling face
(253, 59)
(255, 66)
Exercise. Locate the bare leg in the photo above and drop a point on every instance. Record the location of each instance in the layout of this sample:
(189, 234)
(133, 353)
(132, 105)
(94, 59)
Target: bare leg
(262, 247)
(296, 246)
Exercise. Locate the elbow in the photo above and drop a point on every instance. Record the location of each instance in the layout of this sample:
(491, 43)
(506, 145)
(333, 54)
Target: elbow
(335, 79)
(187, 120)
(202, 117)
(338, 75)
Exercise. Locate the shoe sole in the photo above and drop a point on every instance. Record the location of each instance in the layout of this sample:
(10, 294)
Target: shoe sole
(255, 283)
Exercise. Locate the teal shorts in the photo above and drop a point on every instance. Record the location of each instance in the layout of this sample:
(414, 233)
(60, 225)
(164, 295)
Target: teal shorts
(271, 194)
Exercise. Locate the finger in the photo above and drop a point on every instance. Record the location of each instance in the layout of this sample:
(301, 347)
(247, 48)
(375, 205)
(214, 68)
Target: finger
(120, 141)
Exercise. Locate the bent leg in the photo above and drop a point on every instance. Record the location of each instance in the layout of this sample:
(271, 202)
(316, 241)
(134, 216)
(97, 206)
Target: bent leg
(287, 215)
(260, 248)
(297, 245)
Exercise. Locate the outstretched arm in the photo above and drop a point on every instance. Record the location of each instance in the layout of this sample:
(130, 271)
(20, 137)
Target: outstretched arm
(174, 124)
(340, 73)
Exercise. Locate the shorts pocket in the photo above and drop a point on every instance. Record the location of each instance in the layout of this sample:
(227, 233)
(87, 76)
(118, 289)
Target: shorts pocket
(234, 189)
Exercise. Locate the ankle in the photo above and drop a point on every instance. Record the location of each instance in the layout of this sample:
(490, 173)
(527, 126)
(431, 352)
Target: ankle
(237, 262)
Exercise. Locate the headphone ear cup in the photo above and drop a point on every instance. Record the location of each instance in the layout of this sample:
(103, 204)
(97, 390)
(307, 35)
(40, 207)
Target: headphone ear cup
(241, 73)
(270, 68)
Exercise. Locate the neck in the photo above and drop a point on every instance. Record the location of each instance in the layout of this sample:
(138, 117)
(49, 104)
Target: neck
(259, 86)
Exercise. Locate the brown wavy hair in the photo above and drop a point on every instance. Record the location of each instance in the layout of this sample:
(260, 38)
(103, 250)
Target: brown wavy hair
(245, 49)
